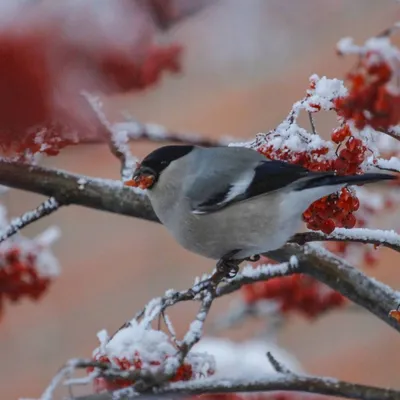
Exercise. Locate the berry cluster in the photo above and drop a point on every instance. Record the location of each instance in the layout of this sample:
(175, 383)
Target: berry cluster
(295, 293)
(43, 72)
(369, 101)
(126, 75)
(312, 159)
(335, 210)
(19, 276)
(184, 372)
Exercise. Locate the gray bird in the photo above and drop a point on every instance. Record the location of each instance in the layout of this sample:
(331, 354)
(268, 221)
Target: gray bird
(231, 203)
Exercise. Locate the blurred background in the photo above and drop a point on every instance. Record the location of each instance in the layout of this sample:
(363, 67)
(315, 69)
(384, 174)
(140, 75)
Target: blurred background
(244, 64)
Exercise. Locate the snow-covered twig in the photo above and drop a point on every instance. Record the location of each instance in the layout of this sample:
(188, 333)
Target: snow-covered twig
(386, 238)
(248, 275)
(46, 208)
(193, 335)
(117, 140)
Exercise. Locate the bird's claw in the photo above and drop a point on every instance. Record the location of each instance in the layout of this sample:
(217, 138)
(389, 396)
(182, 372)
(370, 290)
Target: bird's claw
(228, 268)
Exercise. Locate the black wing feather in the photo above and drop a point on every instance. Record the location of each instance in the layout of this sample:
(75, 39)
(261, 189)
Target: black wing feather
(274, 175)
(269, 176)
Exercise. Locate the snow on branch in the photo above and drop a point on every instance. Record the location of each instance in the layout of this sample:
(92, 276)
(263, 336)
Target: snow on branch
(46, 208)
(283, 381)
(336, 273)
(377, 237)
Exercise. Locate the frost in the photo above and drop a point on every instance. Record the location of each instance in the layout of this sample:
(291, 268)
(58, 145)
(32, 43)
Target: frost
(264, 269)
(152, 347)
(241, 360)
(346, 46)
(293, 261)
(136, 339)
(392, 164)
(81, 183)
(383, 236)
(48, 237)
(326, 90)
(194, 332)
(378, 48)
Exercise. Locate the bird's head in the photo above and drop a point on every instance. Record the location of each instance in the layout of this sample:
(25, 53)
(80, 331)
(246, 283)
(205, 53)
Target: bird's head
(152, 166)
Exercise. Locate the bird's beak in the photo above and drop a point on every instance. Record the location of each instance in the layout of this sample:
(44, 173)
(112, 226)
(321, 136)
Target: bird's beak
(142, 177)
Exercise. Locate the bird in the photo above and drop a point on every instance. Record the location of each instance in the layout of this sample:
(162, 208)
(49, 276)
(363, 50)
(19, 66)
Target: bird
(232, 204)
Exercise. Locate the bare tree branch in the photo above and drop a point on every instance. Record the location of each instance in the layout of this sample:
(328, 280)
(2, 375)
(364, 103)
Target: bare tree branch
(46, 208)
(112, 196)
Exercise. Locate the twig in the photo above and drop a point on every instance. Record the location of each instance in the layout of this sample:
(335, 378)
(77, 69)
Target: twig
(118, 143)
(390, 239)
(278, 366)
(46, 208)
(310, 117)
(195, 331)
(248, 275)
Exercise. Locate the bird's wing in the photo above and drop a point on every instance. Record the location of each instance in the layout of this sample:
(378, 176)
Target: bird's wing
(266, 176)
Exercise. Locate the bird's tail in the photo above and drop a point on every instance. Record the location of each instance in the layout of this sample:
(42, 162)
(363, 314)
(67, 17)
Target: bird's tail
(330, 179)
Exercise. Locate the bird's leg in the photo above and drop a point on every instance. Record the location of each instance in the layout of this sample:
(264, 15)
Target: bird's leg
(227, 267)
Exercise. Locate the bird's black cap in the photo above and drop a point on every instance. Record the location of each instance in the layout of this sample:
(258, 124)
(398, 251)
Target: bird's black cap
(160, 158)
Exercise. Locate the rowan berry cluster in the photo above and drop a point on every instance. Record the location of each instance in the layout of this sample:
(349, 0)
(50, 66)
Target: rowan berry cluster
(19, 276)
(100, 384)
(137, 348)
(298, 293)
(370, 101)
(44, 70)
(335, 210)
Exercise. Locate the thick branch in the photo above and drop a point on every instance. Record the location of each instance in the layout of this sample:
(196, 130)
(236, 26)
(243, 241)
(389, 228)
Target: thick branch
(335, 272)
(281, 382)
(67, 188)
(112, 196)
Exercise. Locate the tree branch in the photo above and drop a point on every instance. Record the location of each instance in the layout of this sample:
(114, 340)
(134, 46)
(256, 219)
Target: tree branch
(335, 272)
(66, 188)
(112, 196)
